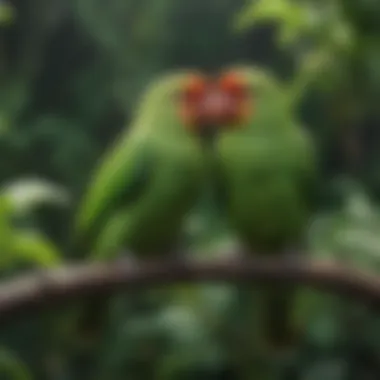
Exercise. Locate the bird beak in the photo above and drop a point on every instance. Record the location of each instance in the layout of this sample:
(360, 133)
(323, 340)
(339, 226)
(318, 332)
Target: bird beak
(239, 105)
(212, 112)
(214, 105)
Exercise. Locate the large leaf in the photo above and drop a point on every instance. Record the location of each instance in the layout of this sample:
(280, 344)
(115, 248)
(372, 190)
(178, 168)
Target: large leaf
(316, 33)
(20, 245)
(294, 18)
(25, 194)
(7, 13)
(6, 230)
(298, 20)
(12, 367)
(32, 247)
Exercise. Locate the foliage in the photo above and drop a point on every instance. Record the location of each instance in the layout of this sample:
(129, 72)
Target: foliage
(12, 366)
(71, 73)
(342, 98)
(19, 242)
(7, 13)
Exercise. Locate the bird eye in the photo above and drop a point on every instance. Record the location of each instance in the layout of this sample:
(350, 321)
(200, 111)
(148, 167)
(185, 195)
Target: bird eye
(233, 84)
(194, 87)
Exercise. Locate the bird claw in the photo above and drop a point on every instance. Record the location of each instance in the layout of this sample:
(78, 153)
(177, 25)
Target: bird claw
(288, 344)
(282, 351)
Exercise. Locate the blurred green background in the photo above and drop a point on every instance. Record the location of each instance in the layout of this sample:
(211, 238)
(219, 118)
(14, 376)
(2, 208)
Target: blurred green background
(71, 72)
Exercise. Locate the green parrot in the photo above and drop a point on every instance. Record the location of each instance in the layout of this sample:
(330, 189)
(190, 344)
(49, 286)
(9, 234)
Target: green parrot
(149, 181)
(267, 176)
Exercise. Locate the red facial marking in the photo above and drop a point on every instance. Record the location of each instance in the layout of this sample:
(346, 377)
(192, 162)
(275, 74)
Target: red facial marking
(192, 94)
(232, 83)
(194, 88)
(205, 103)
(240, 105)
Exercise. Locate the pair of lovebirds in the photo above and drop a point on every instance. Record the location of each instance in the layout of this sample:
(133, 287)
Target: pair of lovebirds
(241, 125)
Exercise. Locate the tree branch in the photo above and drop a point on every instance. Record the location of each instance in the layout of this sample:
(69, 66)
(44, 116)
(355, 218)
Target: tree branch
(51, 287)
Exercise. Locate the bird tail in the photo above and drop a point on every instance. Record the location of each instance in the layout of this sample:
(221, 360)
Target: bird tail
(91, 320)
(268, 312)
(277, 317)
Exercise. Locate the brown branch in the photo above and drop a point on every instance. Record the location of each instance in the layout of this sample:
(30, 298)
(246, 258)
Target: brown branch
(51, 287)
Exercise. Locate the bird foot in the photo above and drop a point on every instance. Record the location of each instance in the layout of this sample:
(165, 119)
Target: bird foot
(284, 349)
(279, 353)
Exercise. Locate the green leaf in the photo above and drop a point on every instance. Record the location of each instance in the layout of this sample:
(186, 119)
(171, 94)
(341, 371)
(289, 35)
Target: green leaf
(31, 247)
(6, 230)
(261, 10)
(25, 194)
(7, 14)
(295, 20)
(13, 367)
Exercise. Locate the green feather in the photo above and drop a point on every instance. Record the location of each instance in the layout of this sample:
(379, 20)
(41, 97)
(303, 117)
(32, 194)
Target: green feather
(268, 169)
